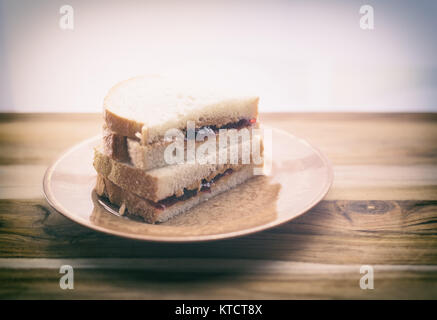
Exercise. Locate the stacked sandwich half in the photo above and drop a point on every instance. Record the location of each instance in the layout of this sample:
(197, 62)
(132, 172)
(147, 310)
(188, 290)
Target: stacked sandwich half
(161, 153)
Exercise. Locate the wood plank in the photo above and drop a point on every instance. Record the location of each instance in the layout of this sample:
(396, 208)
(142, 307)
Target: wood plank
(205, 265)
(337, 232)
(146, 284)
(365, 139)
(354, 182)
(389, 157)
(21, 181)
(41, 141)
(399, 139)
(384, 182)
(381, 211)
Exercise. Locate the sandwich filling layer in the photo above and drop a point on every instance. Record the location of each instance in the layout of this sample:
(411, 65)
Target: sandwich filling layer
(122, 148)
(205, 186)
(240, 124)
(160, 183)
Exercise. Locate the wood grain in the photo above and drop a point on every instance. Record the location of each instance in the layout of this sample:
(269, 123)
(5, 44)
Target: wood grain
(313, 283)
(338, 232)
(381, 211)
(369, 139)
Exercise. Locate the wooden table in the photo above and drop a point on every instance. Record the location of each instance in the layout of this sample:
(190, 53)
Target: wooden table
(381, 211)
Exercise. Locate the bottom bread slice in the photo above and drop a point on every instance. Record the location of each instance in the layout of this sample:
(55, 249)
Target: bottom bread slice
(132, 204)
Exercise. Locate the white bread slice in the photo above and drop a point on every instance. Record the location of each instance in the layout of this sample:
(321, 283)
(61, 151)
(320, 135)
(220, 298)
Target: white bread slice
(136, 205)
(149, 156)
(146, 107)
(160, 183)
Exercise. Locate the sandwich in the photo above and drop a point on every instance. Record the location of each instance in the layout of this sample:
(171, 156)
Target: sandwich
(145, 117)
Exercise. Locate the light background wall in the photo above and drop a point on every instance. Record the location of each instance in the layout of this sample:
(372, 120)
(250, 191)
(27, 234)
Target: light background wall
(298, 55)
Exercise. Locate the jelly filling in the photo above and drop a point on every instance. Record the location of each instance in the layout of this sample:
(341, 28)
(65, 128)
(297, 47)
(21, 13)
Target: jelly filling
(205, 186)
(243, 123)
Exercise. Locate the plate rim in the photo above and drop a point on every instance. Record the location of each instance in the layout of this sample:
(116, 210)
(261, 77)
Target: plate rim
(51, 200)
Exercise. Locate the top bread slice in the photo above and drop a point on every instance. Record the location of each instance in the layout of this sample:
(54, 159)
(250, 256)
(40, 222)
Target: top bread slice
(146, 107)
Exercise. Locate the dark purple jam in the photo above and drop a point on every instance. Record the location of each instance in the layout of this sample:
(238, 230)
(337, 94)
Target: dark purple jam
(234, 125)
(162, 204)
(205, 186)
(209, 130)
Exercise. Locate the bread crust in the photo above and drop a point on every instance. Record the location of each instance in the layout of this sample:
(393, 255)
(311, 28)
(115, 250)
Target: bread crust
(119, 196)
(122, 126)
(135, 180)
(115, 145)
